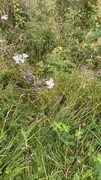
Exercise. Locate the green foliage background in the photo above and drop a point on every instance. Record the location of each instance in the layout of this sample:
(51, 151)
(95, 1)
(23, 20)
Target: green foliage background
(48, 134)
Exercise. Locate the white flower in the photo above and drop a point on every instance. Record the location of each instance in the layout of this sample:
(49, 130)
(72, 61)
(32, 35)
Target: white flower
(50, 83)
(25, 55)
(20, 58)
(16, 58)
(4, 17)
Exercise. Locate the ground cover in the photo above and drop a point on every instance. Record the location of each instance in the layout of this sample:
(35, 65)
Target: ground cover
(50, 90)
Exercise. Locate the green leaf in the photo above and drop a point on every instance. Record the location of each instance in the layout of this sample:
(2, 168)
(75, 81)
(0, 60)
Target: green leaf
(87, 174)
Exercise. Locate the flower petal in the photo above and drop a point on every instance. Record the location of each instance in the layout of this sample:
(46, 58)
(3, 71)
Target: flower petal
(24, 55)
(50, 83)
(4, 17)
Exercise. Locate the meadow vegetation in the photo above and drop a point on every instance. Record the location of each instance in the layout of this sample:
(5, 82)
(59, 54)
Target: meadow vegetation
(50, 132)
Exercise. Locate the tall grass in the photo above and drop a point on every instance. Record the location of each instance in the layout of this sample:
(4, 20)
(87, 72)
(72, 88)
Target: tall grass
(51, 134)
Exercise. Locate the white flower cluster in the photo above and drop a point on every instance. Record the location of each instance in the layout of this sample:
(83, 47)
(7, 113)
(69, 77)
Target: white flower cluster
(50, 83)
(4, 17)
(20, 58)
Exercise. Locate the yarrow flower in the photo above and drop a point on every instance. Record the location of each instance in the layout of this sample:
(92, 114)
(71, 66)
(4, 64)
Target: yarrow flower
(50, 83)
(20, 58)
(25, 55)
(4, 17)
